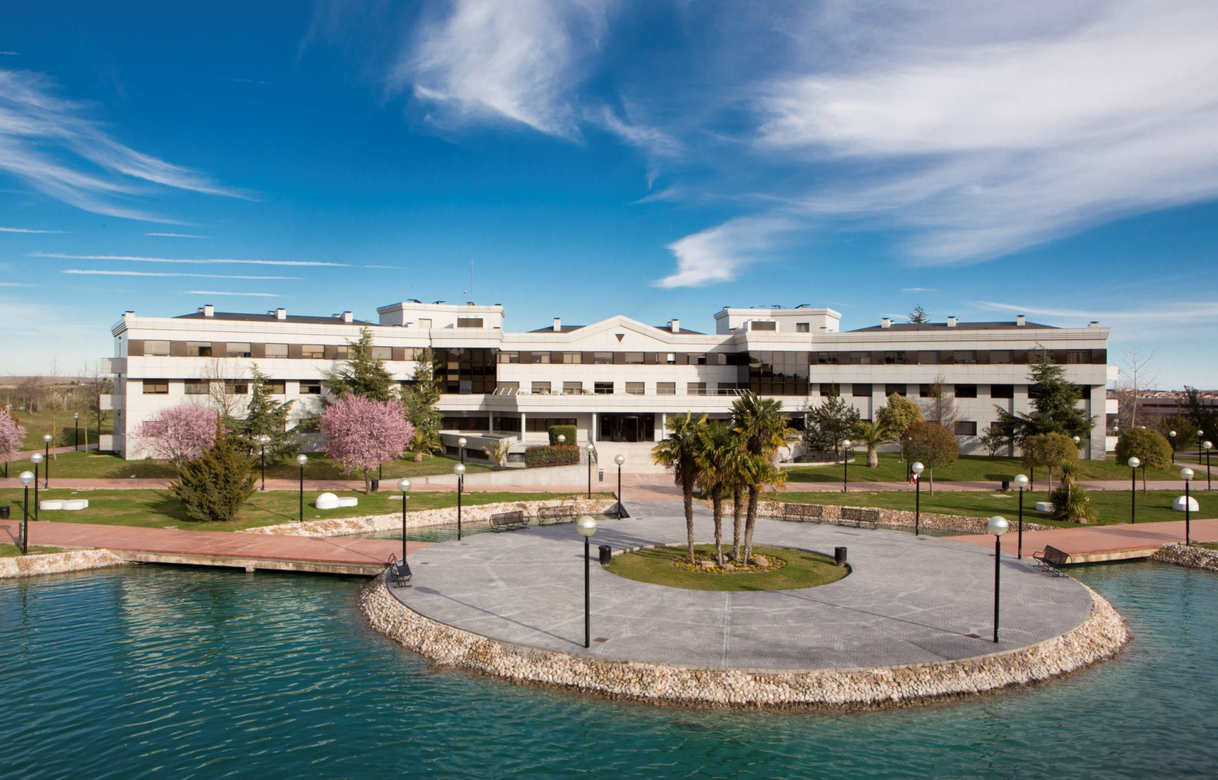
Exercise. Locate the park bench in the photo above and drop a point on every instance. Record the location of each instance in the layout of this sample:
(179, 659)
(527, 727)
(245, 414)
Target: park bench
(803, 513)
(507, 521)
(860, 518)
(555, 514)
(1050, 560)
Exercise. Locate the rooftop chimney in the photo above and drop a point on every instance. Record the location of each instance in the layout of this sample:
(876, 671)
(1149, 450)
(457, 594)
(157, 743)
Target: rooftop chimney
(558, 324)
(885, 322)
(951, 322)
(347, 316)
(674, 326)
(1093, 324)
(1021, 320)
(281, 314)
(208, 310)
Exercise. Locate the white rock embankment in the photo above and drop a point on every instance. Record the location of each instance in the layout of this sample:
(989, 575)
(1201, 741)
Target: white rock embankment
(56, 563)
(1100, 637)
(899, 518)
(1192, 557)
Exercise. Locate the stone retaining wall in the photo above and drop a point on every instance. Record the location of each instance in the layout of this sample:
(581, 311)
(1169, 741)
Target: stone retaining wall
(56, 563)
(1098, 638)
(1193, 557)
(899, 518)
(346, 526)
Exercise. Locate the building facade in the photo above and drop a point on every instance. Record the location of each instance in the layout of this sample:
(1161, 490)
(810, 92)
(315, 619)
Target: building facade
(616, 380)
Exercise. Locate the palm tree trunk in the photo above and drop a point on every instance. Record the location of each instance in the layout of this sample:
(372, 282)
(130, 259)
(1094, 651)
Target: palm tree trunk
(737, 521)
(717, 512)
(873, 458)
(932, 480)
(750, 522)
(688, 491)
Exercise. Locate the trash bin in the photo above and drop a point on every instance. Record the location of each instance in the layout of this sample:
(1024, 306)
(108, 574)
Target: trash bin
(606, 553)
(376, 485)
(600, 474)
(4, 511)
(839, 556)
(1006, 485)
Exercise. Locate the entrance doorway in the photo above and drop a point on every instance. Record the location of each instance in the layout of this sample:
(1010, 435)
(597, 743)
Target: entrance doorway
(627, 427)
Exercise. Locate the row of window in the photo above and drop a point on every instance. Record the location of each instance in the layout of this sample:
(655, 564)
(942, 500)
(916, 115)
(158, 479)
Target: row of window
(863, 390)
(241, 349)
(231, 387)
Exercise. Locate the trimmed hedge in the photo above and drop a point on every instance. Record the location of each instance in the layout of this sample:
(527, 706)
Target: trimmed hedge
(565, 430)
(558, 455)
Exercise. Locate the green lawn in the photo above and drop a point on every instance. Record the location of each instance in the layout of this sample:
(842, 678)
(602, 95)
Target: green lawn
(1112, 505)
(803, 570)
(969, 468)
(160, 509)
(12, 550)
(39, 423)
(97, 465)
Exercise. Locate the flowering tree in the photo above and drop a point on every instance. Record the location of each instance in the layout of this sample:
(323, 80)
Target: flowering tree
(362, 433)
(12, 434)
(179, 433)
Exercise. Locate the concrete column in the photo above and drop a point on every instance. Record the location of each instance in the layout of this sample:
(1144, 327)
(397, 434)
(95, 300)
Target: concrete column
(659, 428)
(592, 431)
(523, 424)
(490, 425)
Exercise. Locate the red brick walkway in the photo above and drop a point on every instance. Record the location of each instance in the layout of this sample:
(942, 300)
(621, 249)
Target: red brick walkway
(1101, 538)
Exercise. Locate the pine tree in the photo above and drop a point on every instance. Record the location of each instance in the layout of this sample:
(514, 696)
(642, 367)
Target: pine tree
(213, 488)
(919, 316)
(829, 424)
(264, 417)
(421, 398)
(1054, 409)
(362, 375)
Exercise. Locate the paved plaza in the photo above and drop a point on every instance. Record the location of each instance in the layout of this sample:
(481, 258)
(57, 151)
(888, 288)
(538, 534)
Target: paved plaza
(908, 600)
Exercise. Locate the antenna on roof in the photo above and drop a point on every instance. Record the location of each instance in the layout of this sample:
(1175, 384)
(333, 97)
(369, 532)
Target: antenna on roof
(469, 294)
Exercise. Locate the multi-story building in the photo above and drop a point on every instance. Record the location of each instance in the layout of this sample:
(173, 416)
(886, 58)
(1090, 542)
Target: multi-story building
(616, 380)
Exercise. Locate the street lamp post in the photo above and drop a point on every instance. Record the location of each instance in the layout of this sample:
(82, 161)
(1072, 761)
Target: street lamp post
(1200, 437)
(586, 526)
(46, 473)
(1021, 482)
(562, 439)
(25, 478)
(997, 526)
(36, 459)
(1133, 489)
(1209, 485)
(302, 459)
(461, 442)
(845, 464)
(917, 468)
(459, 470)
(76, 435)
(1187, 475)
(404, 486)
(262, 442)
(1172, 435)
(590, 449)
(619, 460)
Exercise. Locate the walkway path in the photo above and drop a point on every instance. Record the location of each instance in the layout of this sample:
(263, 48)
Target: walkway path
(218, 548)
(25, 454)
(1102, 542)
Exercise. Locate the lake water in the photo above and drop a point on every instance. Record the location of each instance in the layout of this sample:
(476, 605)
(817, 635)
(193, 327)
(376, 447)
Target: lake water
(209, 673)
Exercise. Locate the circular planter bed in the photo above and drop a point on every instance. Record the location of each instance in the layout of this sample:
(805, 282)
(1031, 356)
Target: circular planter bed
(775, 568)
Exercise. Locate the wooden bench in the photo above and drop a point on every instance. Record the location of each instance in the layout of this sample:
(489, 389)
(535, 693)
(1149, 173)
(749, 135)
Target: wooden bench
(507, 521)
(1051, 560)
(803, 513)
(555, 514)
(860, 518)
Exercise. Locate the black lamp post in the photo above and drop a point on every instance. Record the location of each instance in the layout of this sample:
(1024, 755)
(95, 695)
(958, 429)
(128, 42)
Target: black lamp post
(404, 486)
(459, 470)
(1209, 445)
(1133, 488)
(1200, 436)
(845, 464)
(590, 449)
(46, 474)
(1172, 435)
(586, 526)
(997, 526)
(262, 441)
(1187, 476)
(301, 460)
(76, 435)
(461, 442)
(619, 460)
(1021, 482)
(917, 468)
(36, 459)
(25, 478)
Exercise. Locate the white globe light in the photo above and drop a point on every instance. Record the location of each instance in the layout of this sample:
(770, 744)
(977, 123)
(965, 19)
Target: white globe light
(1200, 434)
(1077, 440)
(459, 469)
(302, 459)
(76, 416)
(846, 443)
(26, 478)
(586, 526)
(1021, 481)
(1171, 434)
(1186, 474)
(461, 442)
(1134, 463)
(562, 438)
(997, 525)
(47, 437)
(917, 468)
(620, 459)
(1209, 445)
(36, 458)
(590, 448)
(404, 485)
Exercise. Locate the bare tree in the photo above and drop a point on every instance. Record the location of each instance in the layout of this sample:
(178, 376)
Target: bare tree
(222, 377)
(94, 384)
(941, 408)
(30, 393)
(1138, 375)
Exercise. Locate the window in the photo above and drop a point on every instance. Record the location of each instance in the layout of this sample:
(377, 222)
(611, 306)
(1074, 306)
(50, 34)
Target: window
(860, 358)
(507, 388)
(897, 389)
(966, 428)
(507, 424)
(666, 388)
(602, 358)
(198, 349)
(1075, 357)
(603, 388)
(539, 357)
(571, 358)
(236, 387)
(827, 358)
(861, 391)
(541, 388)
(803, 327)
(572, 388)
(634, 358)
(1000, 356)
(154, 348)
(1002, 391)
(237, 349)
(469, 322)
(928, 358)
(828, 390)
(697, 360)
(544, 424)
(966, 391)
(894, 358)
(312, 351)
(924, 391)
(509, 357)
(277, 387)
(776, 373)
(763, 325)
(670, 358)
(310, 388)
(382, 353)
(695, 388)
(965, 357)
(342, 352)
(195, 386)
(276, 350)
(156, 387)
(634, 388)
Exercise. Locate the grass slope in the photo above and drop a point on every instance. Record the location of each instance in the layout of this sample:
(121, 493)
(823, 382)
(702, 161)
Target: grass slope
(58, 424)
(12, 550)
(803, 570)
(969, 468)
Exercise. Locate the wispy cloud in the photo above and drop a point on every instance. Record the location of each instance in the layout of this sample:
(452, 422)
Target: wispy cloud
(16, 284)
(174, 235)
(717, 254)
(28, 230)
(240, 294)
(257, 82)
(917, 289)
(49, 143)
(92, 272)
(9, 53)
(190, 261)
(1167, 313)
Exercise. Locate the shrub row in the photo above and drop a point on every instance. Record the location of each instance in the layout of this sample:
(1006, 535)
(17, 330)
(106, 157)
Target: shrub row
(565, 430)
(558, 455)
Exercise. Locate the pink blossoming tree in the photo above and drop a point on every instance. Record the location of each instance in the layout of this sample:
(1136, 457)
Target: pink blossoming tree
(179, 433)
(12, 434)
(362, 433)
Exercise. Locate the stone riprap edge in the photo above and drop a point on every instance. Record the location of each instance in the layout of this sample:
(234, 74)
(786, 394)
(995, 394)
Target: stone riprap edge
(57, 563)
(346, 526)
(900, 518)
(1100, 637)
(1192, 557)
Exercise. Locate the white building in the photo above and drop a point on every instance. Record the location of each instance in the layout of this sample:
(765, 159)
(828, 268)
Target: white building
(615, 380)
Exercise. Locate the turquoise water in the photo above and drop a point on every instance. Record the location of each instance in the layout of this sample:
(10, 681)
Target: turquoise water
(208, 673)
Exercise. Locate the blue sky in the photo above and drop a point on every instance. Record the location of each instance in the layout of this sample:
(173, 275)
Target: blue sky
(592, 157)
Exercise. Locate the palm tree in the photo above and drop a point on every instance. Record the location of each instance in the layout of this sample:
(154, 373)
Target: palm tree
(717, 446)
(678, 451)
(762, 428)
(741, 468)
(873, 435)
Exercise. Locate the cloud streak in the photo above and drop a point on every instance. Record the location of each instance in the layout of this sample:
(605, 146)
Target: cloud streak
(98, 272)
(190, 261)
(240, 294)
(28, 230)
(174, 235)
(717, 254)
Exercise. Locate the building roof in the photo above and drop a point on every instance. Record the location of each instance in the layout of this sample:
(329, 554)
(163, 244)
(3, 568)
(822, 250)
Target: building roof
(683, 331)
(233, 316)
(909, 326)
(561, 329)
